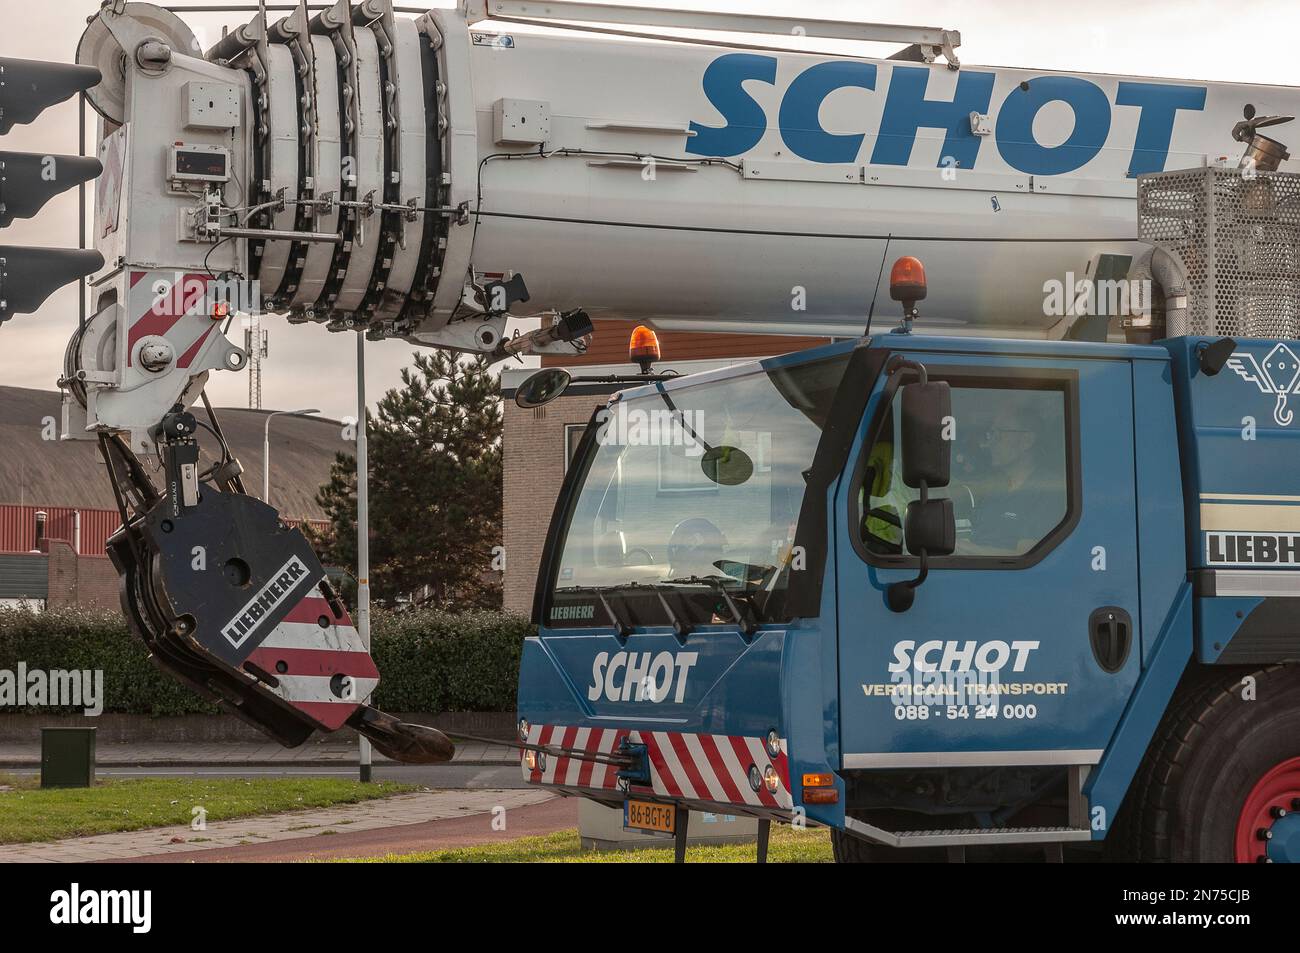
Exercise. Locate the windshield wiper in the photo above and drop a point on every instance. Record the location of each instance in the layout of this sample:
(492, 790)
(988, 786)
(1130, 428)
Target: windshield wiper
(747, 626)
(620, 627)
(681, 626)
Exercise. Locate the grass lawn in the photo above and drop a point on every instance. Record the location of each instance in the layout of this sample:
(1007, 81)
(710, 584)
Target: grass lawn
(787, 846)
(29, 813)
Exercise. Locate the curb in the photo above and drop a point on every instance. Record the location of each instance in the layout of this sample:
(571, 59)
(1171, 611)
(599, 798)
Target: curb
(11, 764)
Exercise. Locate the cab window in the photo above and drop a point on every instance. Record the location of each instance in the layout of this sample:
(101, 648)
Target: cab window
(1011, 475)
(690, 497)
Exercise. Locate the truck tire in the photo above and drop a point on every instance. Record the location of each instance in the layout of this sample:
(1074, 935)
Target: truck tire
(1221, 780)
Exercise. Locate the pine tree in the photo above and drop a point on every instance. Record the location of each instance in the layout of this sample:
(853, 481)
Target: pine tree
(435, 487)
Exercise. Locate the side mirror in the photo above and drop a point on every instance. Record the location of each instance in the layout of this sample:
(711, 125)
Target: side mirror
(927, 456)
(930, 527)
(542, 387)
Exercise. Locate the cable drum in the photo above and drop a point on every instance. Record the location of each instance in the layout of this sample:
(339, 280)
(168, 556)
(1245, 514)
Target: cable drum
(410, 110)
(101, 47)
(309, 301)
(281, 173)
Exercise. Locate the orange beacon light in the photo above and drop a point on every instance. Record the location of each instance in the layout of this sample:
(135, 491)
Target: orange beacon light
(643, 347)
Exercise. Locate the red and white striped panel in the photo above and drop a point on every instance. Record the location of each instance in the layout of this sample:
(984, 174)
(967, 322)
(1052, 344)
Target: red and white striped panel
(160, 302)
(688, 766)
(312, 655)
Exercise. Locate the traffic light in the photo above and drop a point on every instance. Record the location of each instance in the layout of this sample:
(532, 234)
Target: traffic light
(28, 276)
(28, 180)
(29, 87)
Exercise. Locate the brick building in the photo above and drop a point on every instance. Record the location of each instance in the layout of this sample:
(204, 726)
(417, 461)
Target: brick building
(57, 507)
(56, 576)
(537, 444)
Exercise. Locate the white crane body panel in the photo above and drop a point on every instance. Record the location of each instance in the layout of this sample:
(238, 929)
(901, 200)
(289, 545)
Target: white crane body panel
(686, 184)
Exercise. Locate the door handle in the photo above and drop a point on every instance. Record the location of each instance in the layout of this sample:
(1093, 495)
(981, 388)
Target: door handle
(1110, 630)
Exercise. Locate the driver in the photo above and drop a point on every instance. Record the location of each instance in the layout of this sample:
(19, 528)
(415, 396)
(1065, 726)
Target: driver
(1025, 498)
(694, 548)
(883, 503)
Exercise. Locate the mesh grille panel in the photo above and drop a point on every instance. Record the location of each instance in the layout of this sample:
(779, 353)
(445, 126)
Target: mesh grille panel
(1237, 238)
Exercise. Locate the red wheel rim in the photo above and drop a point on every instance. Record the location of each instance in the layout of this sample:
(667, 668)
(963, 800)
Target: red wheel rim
(1278, 789)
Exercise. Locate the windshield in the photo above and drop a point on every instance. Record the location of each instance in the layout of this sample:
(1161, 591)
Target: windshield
(694, 493)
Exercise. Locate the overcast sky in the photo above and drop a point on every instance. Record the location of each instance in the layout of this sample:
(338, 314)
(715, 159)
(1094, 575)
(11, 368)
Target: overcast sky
(1245, 41)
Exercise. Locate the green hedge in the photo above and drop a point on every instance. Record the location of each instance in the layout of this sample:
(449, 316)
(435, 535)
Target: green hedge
(439, 661)
(429, 660)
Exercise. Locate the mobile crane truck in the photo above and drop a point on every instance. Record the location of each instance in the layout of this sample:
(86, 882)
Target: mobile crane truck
(1027, 582)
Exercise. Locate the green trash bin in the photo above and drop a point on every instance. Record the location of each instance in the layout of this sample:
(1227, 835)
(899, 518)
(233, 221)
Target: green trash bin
(67, 757)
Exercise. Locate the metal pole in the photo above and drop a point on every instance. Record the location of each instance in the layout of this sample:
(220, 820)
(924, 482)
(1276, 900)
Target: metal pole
(269, 8)
(81, 211)
(680, 826)
(266, 461)
(363, 529)
(266, 447)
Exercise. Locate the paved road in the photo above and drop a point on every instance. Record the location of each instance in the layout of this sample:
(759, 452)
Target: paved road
(552, 815)
(27, 755)
(442, 776)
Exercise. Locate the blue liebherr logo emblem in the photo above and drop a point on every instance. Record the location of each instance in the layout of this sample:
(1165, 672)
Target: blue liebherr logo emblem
(1279, 376)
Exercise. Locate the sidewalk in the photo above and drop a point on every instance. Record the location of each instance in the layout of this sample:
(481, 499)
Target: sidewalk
(28, 755)
(466, 830)
(399, 811)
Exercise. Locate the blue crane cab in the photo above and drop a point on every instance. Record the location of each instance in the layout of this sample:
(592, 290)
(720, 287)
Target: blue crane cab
(935, 593)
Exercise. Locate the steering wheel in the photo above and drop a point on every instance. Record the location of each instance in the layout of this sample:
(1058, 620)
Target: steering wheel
(963, 497)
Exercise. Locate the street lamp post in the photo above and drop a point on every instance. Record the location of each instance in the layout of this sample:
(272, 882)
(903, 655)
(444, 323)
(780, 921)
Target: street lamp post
(266, 449)
(363, 532)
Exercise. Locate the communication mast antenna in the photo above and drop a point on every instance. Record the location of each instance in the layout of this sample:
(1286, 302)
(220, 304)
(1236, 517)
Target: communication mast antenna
(256, 344)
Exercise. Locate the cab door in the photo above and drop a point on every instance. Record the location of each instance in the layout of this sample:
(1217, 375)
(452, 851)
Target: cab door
(1020, 647)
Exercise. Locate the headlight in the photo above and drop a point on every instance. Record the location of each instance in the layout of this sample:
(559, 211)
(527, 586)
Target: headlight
(771, 779)
(773, 744)
(523, 729)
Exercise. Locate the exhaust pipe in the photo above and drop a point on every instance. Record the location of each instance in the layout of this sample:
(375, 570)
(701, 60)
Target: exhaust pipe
(1160, 268)
(1262, 153)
